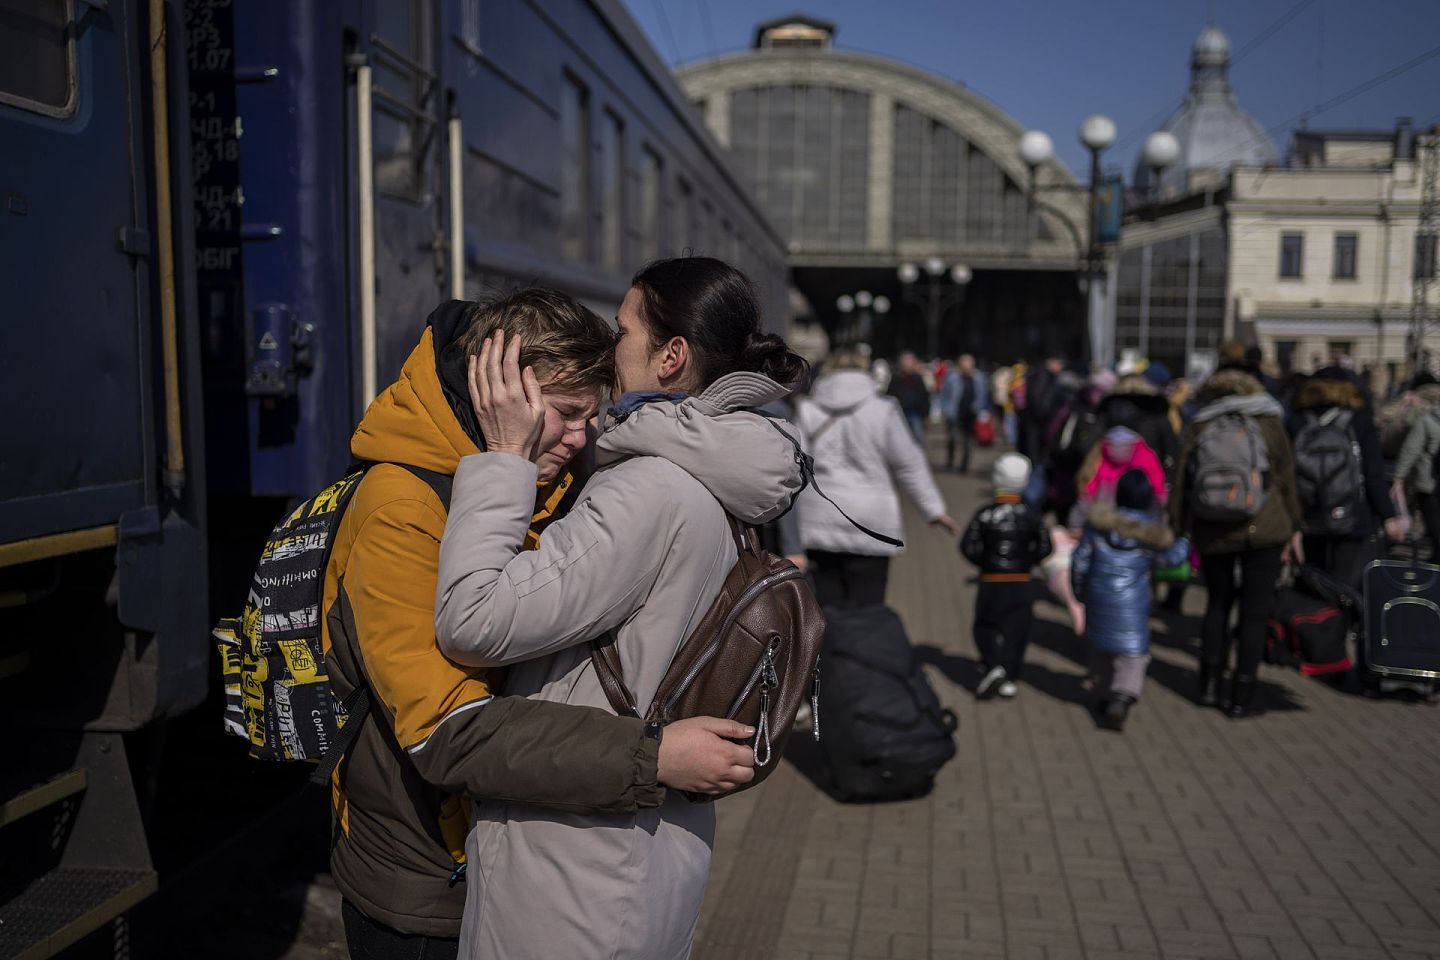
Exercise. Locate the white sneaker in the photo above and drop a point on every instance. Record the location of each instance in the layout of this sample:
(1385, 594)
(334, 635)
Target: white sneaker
(1008, 689)
(988, 683)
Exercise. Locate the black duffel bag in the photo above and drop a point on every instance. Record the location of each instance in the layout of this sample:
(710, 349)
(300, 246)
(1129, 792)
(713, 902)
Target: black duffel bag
(884, 733)
(1312, 623)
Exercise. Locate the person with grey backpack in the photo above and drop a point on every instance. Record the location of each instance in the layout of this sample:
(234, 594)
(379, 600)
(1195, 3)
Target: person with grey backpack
(1236, 500)
(1339, 475)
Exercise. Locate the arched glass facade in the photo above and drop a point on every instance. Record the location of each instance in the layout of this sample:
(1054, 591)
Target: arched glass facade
(949, 192)
(805, 152)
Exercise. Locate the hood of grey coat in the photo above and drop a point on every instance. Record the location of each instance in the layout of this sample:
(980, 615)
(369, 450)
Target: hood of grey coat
(748, 462)
(1251, 405)
(843, 390)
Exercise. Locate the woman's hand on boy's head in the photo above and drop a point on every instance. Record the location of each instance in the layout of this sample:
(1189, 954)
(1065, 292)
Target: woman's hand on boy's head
(509, 406)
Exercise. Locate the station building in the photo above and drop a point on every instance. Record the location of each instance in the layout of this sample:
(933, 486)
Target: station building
(873, 170)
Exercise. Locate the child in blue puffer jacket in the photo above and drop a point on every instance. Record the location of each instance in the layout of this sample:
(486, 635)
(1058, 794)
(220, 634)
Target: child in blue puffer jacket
(1110, 572)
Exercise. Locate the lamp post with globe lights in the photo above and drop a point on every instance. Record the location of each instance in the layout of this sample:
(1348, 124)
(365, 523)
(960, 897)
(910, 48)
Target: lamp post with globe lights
(857, 312)
(1161, 150)
(1097, 133)
(939, 295)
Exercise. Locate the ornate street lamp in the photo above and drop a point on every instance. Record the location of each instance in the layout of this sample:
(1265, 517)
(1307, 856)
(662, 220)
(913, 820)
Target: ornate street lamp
(1097, 133)
(865, 306)
(939, 295)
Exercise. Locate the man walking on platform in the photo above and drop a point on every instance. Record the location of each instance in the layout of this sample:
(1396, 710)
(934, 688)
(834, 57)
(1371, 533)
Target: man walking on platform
(964, 396)
(908, 386)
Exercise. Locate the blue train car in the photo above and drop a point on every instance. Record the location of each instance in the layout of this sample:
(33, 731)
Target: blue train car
(223, 226)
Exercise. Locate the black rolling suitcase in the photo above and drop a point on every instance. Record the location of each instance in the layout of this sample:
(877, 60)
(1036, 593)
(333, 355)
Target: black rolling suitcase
(884, 733)
(1401, 645)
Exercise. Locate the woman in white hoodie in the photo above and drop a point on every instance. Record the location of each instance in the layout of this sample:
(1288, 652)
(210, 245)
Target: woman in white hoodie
(644, 553)
(862, 449)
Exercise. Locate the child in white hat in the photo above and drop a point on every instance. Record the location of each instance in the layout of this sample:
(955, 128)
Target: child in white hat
(1005, 539)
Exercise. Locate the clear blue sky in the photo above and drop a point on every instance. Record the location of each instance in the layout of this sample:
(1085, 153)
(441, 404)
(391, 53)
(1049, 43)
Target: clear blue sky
(1049, 63)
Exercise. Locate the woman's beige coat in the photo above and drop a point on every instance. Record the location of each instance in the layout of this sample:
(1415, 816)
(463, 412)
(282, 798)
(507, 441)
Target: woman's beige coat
(644, 552)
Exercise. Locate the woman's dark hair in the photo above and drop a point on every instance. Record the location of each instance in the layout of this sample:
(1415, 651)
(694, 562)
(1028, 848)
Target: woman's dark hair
(713, 306)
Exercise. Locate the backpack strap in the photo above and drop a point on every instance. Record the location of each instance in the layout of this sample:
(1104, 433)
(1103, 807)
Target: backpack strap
(605, 658)
(835, 418)
(807, 476)
(356, 707)
(608, 670)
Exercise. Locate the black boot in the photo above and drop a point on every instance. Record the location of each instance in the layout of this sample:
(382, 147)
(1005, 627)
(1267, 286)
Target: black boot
(1209, 695)
(1242, 694)
(1112, 713)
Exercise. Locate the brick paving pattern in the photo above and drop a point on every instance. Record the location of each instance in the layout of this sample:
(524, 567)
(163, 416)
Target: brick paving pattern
(1312, 831)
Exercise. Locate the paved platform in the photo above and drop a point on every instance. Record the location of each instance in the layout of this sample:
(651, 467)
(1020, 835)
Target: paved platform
(1311, 831)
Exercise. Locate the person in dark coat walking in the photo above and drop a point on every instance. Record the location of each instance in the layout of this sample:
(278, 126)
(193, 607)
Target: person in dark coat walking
(1137, 403)
(1005, 539)
(908, 387)
(1336, 393)
(1257, 546)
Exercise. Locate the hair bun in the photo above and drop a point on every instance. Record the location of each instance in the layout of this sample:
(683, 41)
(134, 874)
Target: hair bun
(768, 354)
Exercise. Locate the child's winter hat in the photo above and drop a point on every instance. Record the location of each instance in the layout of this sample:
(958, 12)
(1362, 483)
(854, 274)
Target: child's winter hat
(1011, 473)
(1133, 491)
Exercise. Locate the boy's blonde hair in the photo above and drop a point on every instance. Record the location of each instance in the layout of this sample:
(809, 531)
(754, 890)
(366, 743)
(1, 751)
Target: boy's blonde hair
(569, 346)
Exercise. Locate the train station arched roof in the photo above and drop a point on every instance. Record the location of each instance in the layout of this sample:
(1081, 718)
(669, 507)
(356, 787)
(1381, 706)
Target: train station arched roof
(864, 161)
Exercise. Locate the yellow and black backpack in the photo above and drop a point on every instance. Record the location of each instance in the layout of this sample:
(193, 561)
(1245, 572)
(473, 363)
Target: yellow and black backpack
(277, 688)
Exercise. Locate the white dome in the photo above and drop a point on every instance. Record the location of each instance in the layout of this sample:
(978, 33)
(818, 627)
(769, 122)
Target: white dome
(1212, 46)
(1213, 132)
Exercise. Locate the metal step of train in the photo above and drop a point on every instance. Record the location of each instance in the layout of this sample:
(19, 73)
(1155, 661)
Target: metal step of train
(73, 856)
(64, 905)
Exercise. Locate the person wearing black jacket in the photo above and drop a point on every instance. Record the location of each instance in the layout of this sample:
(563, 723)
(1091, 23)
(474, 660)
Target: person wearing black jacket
(1344, 555)
(908, 387)
(1005, 539)
(1138, 404)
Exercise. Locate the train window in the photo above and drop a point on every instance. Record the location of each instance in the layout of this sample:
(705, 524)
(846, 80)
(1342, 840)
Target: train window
(650, 173)
(37, 55)
(575, 169)
(612, 201)
(404, 82)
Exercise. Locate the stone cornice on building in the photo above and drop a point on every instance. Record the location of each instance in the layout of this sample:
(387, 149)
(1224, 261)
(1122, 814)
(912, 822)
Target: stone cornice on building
(1139, 232)
(974, 118)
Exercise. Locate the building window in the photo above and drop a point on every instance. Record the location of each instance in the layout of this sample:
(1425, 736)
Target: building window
(1285, 355)
(683, 239)
(1424, 256)
(574, 169)
(37, 56)
(1292, 251)
(403, 84)
(651, 171)
(1345, 244)
(612, 200)
(1341, 348)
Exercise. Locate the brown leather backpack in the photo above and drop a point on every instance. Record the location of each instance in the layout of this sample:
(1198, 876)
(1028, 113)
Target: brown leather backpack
(752, 658)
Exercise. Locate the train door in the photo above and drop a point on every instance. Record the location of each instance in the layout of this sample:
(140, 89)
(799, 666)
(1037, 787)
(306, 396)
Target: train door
(406, 246)
(74, 244)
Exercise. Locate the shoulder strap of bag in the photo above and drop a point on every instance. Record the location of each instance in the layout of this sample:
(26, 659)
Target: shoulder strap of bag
(835, 418)
(606, 659)
(357, 706)
(807, 475)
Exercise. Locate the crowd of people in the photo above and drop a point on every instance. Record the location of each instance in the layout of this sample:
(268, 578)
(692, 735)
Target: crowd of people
(1124, 479)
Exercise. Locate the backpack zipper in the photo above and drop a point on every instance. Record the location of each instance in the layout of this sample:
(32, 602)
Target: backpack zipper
(745, 600)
